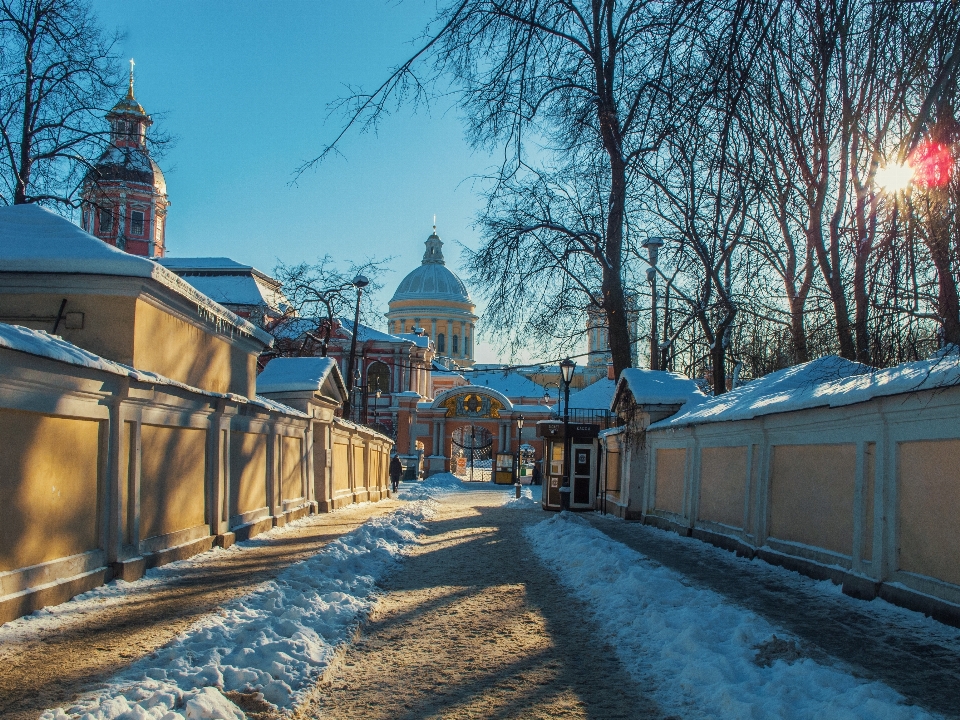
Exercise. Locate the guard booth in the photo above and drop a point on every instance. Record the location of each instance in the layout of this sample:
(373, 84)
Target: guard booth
(583, 469)
(503, 470)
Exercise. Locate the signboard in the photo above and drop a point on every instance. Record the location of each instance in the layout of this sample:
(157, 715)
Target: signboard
(461, 464)
(579, 430)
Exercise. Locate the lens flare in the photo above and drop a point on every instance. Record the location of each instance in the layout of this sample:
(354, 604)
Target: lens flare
(932, 164)
(894, 178)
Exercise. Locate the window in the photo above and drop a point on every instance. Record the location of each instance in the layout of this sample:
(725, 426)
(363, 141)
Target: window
(378, 378)
(136, 223)
(456, 344)
(466, 345)
(106, 221)
(441, 343)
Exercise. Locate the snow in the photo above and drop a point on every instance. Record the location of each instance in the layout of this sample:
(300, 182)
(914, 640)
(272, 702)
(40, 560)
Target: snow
(37, 240)
(297, 374)
(368, 333)
(598, 396)
(510, 383)
(658, 387)
(700, 655)
(529, 498)
(42, 344)
(827, 382)
(434, 487)
(276, 640)
(418, 340)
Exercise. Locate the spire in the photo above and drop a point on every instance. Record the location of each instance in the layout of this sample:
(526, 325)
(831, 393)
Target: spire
(434, 252)
(130, 91)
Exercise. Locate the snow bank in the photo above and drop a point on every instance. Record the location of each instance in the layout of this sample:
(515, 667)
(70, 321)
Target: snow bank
(705, 657)
(275, 641)
(434, 486)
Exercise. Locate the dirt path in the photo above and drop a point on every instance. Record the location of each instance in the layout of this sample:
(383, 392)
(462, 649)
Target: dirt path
(47, 666)
(472, 626)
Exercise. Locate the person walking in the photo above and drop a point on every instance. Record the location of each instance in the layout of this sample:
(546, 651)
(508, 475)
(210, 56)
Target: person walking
(396, 469)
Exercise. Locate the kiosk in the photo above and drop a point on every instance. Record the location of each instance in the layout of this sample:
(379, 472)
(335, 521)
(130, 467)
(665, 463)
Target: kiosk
(583, 469)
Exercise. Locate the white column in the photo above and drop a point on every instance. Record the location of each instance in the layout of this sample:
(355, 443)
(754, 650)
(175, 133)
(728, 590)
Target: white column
(433, 330)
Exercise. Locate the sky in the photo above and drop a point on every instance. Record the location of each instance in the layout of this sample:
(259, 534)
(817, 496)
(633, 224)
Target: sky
(245, 88)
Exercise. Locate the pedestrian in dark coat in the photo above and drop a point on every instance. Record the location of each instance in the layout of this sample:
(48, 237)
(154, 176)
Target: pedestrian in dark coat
(396, 470)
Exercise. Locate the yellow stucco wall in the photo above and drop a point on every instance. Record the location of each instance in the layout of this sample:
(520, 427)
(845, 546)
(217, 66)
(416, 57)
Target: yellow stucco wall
(341, 468)
(108, 320)
(248, 472)
(213, 364)
(359, 467)
(811, 495)
(49, 470)
(291, 484)
(172, 479)
(723, 477)
(929, 500)
(671, 463)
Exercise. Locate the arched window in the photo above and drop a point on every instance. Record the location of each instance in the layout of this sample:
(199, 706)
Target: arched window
(466, 345)
(456, 344)
(441, 343)
(378, 378)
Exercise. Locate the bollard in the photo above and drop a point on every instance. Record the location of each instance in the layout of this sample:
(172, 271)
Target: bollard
(518, 490)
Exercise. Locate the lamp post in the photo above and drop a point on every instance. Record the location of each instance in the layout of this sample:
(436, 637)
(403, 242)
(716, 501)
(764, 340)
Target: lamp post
(547, 398)
(519, 440)
(359, 282)
(567, 366)
(653, 245)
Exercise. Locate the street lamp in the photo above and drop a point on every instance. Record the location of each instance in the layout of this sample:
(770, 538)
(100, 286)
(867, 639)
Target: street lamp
(653, 245)
(567, 366)
(546, 395)
(359, 282)
(519, 422)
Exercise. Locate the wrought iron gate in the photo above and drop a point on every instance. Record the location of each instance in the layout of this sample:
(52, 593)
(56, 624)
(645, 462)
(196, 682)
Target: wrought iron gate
(472, 456)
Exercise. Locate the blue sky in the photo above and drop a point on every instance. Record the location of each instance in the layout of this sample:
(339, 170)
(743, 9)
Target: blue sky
(244, 86)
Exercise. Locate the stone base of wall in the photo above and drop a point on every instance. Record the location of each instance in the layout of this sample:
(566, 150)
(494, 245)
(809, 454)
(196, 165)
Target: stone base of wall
(252, 529)
(851, 584)
(54, 593)
(178, 552)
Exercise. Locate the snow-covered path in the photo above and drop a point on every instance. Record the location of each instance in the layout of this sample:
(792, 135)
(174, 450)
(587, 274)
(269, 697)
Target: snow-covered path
(63, 651)
(705, 656)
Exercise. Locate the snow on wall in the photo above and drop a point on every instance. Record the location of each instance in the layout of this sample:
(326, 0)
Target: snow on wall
(827, 382)
(40, 241)
(42, 344)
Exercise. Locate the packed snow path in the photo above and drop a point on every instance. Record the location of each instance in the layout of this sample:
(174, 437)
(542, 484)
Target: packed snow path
(56, 654)
(473, 626)
(916, 656)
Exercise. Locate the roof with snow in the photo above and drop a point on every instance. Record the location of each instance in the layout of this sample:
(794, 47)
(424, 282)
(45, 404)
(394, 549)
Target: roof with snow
(597, 396)
(656, 387)
(302, 374)
(36, 240)
(509, 382)
(228, 282)
(41, 344)
(827, 382)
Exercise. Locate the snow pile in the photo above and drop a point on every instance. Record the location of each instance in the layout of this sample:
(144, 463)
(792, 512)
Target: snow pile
(434, 486)
(529, 499)
(704, 656)
(829, 381)
(274, 641)
(295, 374)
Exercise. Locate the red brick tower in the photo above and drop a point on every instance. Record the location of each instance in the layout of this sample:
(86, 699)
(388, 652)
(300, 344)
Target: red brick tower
(124, 198)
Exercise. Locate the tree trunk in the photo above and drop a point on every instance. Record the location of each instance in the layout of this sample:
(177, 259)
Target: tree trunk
(948, 299)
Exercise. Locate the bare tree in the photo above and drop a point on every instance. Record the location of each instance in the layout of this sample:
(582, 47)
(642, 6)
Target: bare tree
(58, 75)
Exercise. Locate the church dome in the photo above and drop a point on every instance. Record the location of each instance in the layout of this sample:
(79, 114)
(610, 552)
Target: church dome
(432, 280)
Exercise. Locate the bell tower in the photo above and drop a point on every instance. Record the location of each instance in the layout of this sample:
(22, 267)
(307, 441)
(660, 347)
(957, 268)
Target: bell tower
(124, 197)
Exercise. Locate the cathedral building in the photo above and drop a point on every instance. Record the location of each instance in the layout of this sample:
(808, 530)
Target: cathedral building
(124, 197)
(435, 300)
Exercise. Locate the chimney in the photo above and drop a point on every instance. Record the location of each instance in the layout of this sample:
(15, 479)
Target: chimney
(611, 374)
